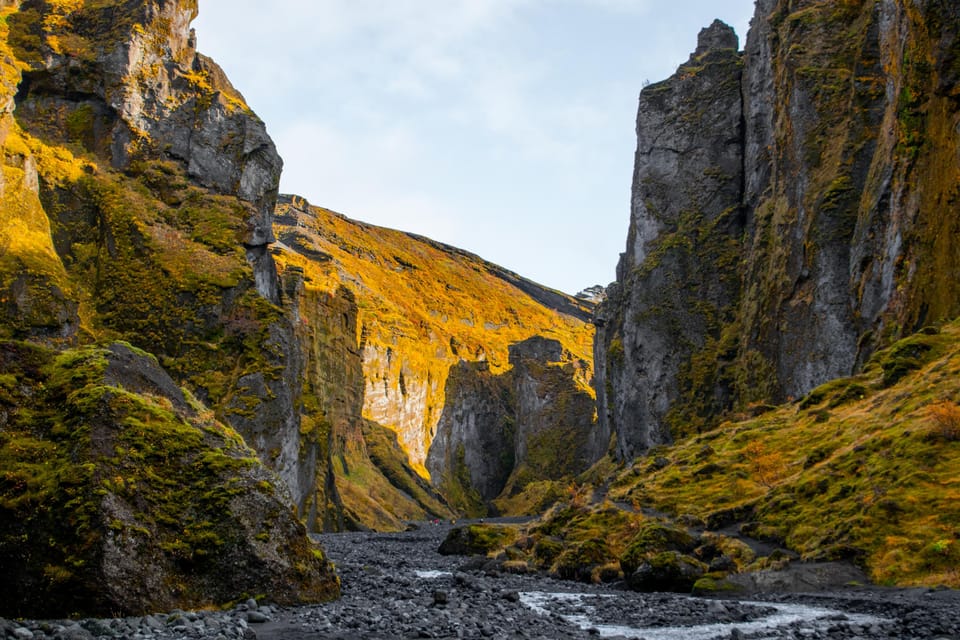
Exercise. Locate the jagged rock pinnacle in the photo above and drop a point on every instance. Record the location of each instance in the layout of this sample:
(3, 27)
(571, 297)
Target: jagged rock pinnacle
(717, 37)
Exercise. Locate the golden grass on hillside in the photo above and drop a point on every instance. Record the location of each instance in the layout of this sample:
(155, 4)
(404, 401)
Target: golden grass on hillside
(864, 468)
(421, 310)
(411, 291)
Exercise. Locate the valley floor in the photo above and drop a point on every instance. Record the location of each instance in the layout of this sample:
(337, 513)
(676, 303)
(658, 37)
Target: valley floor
(398, 586)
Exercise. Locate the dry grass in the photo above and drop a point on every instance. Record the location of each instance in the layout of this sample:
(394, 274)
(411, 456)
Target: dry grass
(873, 476)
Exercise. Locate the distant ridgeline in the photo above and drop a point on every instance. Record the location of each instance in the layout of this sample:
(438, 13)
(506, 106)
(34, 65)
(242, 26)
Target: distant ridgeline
(440, 381)
(190, 382)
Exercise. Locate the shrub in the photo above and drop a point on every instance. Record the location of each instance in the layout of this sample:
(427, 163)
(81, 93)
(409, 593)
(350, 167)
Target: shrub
(946, 420)
(767, 466)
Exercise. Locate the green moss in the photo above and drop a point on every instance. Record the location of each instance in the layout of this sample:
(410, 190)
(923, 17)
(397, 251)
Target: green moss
(615, 353)
(546, 550)
(708, 585)
(478, 539)
(577, 562)
(85, 445)
(652, 539)
(666, 571)
(390, 459)
(906, 356)
(458, 489)
(80, 123)
(839, 392)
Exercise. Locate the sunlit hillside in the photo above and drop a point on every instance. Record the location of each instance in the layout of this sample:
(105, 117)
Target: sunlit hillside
(422, 308)
(864, 469)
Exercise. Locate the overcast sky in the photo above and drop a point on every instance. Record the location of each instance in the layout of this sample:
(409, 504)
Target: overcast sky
(504, 127)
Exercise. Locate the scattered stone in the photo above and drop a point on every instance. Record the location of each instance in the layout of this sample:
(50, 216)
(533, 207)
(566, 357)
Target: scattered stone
(257, 617)
(440, 601)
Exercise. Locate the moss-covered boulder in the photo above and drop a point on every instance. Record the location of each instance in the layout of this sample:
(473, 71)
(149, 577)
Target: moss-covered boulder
(667, 571)
(654, 538)
(724, 553)
(477, 539)
(546, 550)
(121, 494)
(715, 585)
(579, 562)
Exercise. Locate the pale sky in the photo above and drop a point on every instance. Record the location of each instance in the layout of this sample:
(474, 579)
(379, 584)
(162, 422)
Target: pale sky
(503, 127)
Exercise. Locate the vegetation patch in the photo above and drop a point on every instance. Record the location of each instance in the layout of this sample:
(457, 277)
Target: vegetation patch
(863, 469)
(477, 539)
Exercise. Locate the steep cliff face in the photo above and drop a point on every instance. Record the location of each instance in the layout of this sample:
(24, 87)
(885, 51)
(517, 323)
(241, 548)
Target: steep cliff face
(137, 195)
(129, 74)
(429, 338)
(677, 282)
(555, 426)
(853, 232)
(500, 432)
(827, 228)
(147, 186)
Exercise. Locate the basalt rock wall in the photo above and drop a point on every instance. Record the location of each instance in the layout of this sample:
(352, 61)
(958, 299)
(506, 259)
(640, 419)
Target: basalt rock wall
(499, 433)
(138, 191)
(794, 208)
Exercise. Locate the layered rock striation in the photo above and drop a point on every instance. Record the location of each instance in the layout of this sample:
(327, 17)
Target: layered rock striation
(794, 208)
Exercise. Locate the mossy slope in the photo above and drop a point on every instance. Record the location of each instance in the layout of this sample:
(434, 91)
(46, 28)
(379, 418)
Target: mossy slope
(863, 469)
(121, 494)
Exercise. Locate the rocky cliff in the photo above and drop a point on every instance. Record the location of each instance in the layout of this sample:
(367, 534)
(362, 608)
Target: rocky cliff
(429, 336)
(122, 494)
(794, 208)
(138, 191)
(500, 432)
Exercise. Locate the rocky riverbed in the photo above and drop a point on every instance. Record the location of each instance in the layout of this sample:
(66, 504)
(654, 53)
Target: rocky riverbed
(398, 586)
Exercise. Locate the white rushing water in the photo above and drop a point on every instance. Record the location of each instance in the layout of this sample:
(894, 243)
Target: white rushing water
(786, 614)
(429, 574)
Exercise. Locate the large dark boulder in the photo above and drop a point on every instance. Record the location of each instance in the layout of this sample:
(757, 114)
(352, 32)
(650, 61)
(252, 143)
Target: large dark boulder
(121, 494)
(667, 571)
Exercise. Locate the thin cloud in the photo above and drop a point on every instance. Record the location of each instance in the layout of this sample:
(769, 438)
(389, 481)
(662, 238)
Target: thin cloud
(472, 121)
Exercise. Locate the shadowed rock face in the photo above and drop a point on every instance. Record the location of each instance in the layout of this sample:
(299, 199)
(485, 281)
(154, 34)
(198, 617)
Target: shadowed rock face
(500, 432)
(149, 503)
(794, 207)
(677, 281)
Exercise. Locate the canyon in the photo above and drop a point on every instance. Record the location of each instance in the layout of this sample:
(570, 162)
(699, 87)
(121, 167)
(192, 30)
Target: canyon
(197, 371)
